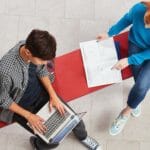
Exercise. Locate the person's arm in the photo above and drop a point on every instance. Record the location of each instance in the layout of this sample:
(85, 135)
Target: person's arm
(35, 121)
(139, 58)
(135, 59)
(117, 28)
(54, 99)
(123, 23)
(43, 75)
(121, 64)
(5, 86)
(7, 102)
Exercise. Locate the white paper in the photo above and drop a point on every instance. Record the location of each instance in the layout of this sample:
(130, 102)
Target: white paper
(98, 59)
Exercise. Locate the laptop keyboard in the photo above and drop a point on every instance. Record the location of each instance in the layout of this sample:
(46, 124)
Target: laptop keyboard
(54, 122)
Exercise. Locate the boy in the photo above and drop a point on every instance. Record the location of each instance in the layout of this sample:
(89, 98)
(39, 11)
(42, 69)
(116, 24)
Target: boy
(25, 87)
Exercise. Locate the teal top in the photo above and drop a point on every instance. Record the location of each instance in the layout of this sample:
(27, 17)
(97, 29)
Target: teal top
(138, 34)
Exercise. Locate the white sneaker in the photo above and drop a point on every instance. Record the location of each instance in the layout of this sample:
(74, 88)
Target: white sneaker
(136, 112)
(91, 143)
(118, 124)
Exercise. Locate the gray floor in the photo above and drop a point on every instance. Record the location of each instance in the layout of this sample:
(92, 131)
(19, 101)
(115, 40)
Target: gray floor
(72, 21)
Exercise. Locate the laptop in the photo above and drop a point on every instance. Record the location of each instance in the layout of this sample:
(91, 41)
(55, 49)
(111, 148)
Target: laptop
(58, 127)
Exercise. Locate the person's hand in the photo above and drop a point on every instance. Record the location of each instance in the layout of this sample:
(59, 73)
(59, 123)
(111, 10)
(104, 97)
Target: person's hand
(121, 64)
(55, 102)
(102, 36)
(36, 123)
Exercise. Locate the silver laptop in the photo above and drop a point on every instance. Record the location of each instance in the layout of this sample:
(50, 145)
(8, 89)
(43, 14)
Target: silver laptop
(58, 127)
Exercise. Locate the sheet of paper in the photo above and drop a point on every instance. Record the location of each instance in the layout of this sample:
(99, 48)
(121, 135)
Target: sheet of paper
(98, 59)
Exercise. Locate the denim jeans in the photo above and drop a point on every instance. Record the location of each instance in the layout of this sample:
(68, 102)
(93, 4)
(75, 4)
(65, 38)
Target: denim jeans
(36, 104)
(141, 75)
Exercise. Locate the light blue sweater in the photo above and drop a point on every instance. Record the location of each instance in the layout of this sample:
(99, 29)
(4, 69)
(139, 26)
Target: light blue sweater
(138, 34)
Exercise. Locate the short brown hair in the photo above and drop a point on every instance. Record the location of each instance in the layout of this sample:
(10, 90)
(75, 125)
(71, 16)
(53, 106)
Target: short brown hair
(41, 44)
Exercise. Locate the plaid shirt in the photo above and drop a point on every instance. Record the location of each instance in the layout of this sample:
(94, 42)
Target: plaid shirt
(14, 80)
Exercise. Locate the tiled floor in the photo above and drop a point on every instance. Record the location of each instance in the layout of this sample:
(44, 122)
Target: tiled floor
(72, 21)
(102, 107)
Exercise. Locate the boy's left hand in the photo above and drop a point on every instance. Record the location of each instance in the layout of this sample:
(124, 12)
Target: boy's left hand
(55, 102)
(121, 64)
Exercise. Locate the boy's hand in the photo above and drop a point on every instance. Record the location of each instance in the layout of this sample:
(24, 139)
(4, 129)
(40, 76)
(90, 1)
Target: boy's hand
(102, 36)
(55, 102)
(36, 123)
(121, 64)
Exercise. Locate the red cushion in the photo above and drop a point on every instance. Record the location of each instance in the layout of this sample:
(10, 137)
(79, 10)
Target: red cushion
(2, 124)
(70, 80)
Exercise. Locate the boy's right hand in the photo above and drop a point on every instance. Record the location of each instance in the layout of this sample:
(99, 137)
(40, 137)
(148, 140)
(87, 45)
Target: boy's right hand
(36, 123)
(102, 36)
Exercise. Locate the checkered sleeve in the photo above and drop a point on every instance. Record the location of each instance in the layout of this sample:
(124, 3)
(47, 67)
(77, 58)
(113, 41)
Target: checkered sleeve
(42, 71)
(5, 85)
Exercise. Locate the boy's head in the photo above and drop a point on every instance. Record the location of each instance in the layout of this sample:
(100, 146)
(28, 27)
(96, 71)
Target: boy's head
(41, 46)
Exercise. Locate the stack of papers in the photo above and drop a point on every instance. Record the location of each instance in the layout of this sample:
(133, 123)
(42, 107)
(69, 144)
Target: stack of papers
(98, 59)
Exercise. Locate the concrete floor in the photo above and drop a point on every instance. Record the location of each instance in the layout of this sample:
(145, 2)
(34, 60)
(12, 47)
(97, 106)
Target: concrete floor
(72, 21)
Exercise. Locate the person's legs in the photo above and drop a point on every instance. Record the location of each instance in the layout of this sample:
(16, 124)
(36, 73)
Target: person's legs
(136, 96)
(80, 131)
(133, 49)
(141, 75)
(141, 86)
(81, 134)
(136, 69)
(139, 89)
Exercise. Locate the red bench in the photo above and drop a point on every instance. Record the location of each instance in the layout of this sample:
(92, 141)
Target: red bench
(2, 124)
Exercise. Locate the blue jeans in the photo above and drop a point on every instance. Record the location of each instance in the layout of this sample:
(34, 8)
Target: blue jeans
(141, 74)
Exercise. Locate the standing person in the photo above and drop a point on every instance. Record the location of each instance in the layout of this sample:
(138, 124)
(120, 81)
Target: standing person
(25, 87)
(139, 54)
